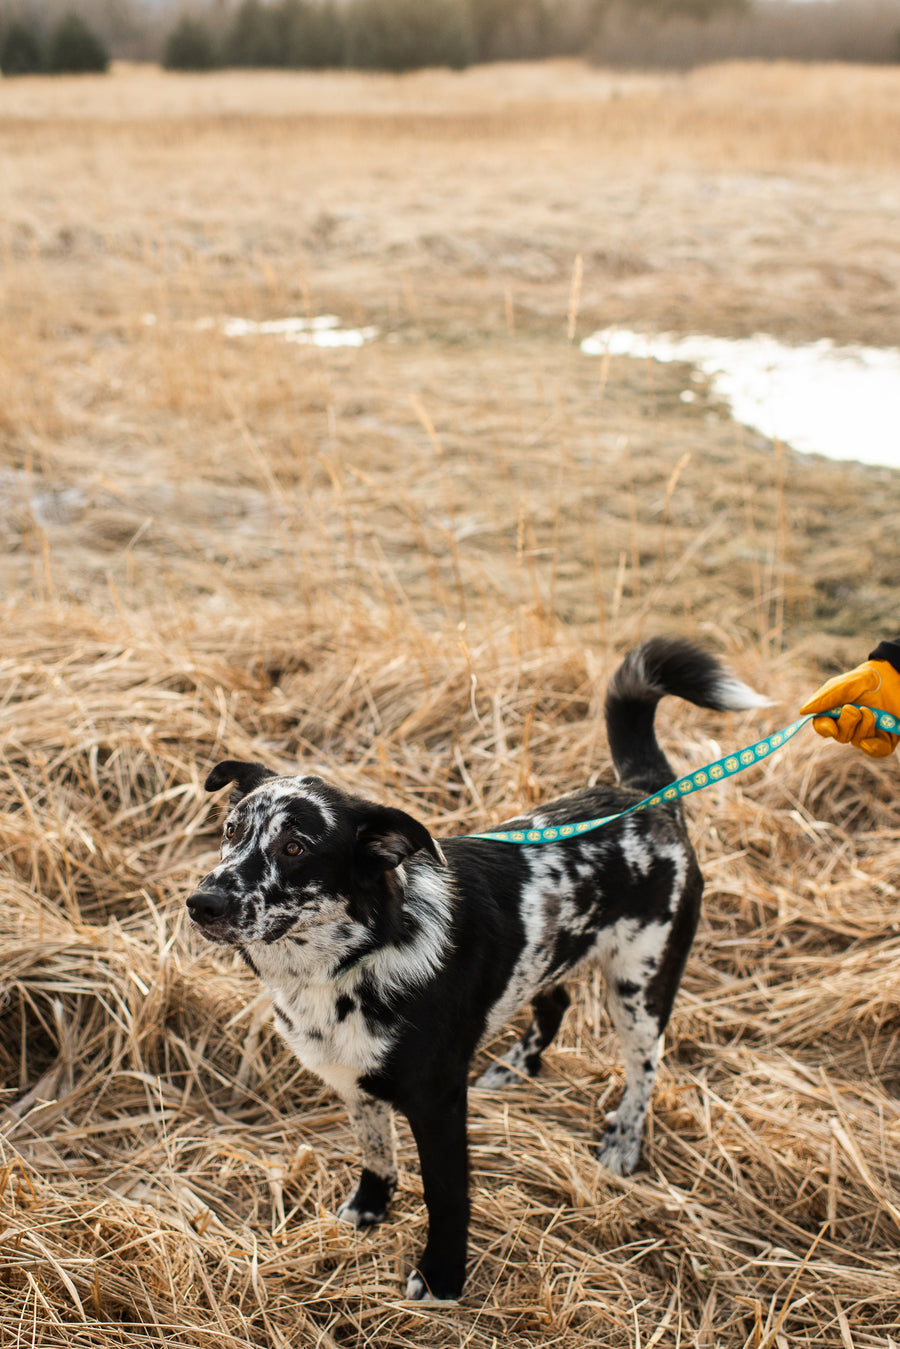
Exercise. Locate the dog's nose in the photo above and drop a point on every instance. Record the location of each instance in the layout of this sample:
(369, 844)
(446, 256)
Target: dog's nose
(205, 906)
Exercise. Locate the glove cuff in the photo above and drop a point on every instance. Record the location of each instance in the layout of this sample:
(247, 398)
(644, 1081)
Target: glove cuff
(887, 696)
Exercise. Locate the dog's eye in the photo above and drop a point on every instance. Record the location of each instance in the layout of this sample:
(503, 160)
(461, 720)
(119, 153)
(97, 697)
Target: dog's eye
(293, 849)
(229, 831)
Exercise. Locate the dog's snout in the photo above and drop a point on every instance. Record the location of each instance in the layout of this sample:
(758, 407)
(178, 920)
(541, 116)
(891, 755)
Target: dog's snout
(205, 906)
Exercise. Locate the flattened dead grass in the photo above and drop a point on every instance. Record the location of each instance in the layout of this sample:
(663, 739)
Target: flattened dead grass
(169, 1170)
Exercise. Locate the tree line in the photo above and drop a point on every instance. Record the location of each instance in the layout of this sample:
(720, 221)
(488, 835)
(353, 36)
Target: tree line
(70, 46)
(315, 34)
(398, 35)
(391, 35)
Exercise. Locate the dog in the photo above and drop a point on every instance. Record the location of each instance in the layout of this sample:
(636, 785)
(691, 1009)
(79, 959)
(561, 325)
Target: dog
(391, 956)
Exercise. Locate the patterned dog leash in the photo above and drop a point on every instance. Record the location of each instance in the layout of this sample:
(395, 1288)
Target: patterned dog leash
(723, 768)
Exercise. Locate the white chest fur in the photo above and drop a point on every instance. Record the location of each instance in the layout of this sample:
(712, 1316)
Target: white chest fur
(321, 1018)
(329, 1034)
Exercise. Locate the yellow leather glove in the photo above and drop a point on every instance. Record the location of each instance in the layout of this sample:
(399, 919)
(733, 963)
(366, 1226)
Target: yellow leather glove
(875, 683)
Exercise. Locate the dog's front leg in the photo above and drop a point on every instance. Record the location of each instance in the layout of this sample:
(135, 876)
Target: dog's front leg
(439, 1128)
(373, 1125)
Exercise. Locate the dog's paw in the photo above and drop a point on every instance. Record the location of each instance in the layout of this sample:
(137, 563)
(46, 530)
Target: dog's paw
(498, 1075)
(619, 1149)
(370, 1201)
(516, 1066)
(351, 1211)
(417, 1290)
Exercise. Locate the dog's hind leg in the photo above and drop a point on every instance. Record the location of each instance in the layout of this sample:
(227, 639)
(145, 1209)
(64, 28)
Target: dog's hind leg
(639, 1033)
(642, 975)
(373, 1125)
(524, 1059)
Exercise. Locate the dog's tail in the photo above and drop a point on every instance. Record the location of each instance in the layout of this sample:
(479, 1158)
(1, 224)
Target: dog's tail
(663, 665)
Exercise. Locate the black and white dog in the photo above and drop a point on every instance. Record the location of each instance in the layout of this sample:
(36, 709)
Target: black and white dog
(391, 957)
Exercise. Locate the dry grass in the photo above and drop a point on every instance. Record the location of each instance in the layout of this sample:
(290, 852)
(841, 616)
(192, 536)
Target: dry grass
(412, 567)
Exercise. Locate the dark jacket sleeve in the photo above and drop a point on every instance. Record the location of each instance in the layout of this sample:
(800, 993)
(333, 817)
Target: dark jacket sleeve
(889, 651)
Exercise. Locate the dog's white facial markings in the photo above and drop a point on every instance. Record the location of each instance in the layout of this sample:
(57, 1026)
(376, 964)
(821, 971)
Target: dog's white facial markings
(281, 817)
(274, 791)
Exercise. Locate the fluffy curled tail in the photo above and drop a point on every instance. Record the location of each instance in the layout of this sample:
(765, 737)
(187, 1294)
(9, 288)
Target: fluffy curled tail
(663, 665)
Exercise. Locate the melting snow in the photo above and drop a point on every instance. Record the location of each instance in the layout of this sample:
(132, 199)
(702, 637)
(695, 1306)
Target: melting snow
(323, 331)
(842, 402)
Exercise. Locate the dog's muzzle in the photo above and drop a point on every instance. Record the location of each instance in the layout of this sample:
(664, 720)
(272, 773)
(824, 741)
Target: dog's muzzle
(207, 907)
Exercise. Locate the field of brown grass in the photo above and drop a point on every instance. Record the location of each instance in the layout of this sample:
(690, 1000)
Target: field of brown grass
(412, 566)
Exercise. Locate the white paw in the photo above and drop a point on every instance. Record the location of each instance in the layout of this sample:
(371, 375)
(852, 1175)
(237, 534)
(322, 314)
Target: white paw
(620, 1148)
(349, 1213)
(498, 1075)
(417, 1290)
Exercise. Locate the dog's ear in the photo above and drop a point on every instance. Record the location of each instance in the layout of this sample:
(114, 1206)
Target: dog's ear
(385, 837)
(246, 776)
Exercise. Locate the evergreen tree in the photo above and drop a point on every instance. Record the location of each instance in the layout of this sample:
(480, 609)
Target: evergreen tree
(311, 34)
(253, 38)
(20, 50)
(513, 29)
(75, 49)
(408, 34)
(189, 46)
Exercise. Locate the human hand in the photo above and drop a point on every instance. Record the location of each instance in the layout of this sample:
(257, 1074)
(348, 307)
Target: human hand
(875, 684)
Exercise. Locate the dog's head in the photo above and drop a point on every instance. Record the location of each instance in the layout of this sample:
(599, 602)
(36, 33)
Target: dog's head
(298, 853)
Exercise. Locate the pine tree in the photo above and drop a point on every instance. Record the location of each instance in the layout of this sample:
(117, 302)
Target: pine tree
(20, 50)
(189, 46)
(75, 48)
